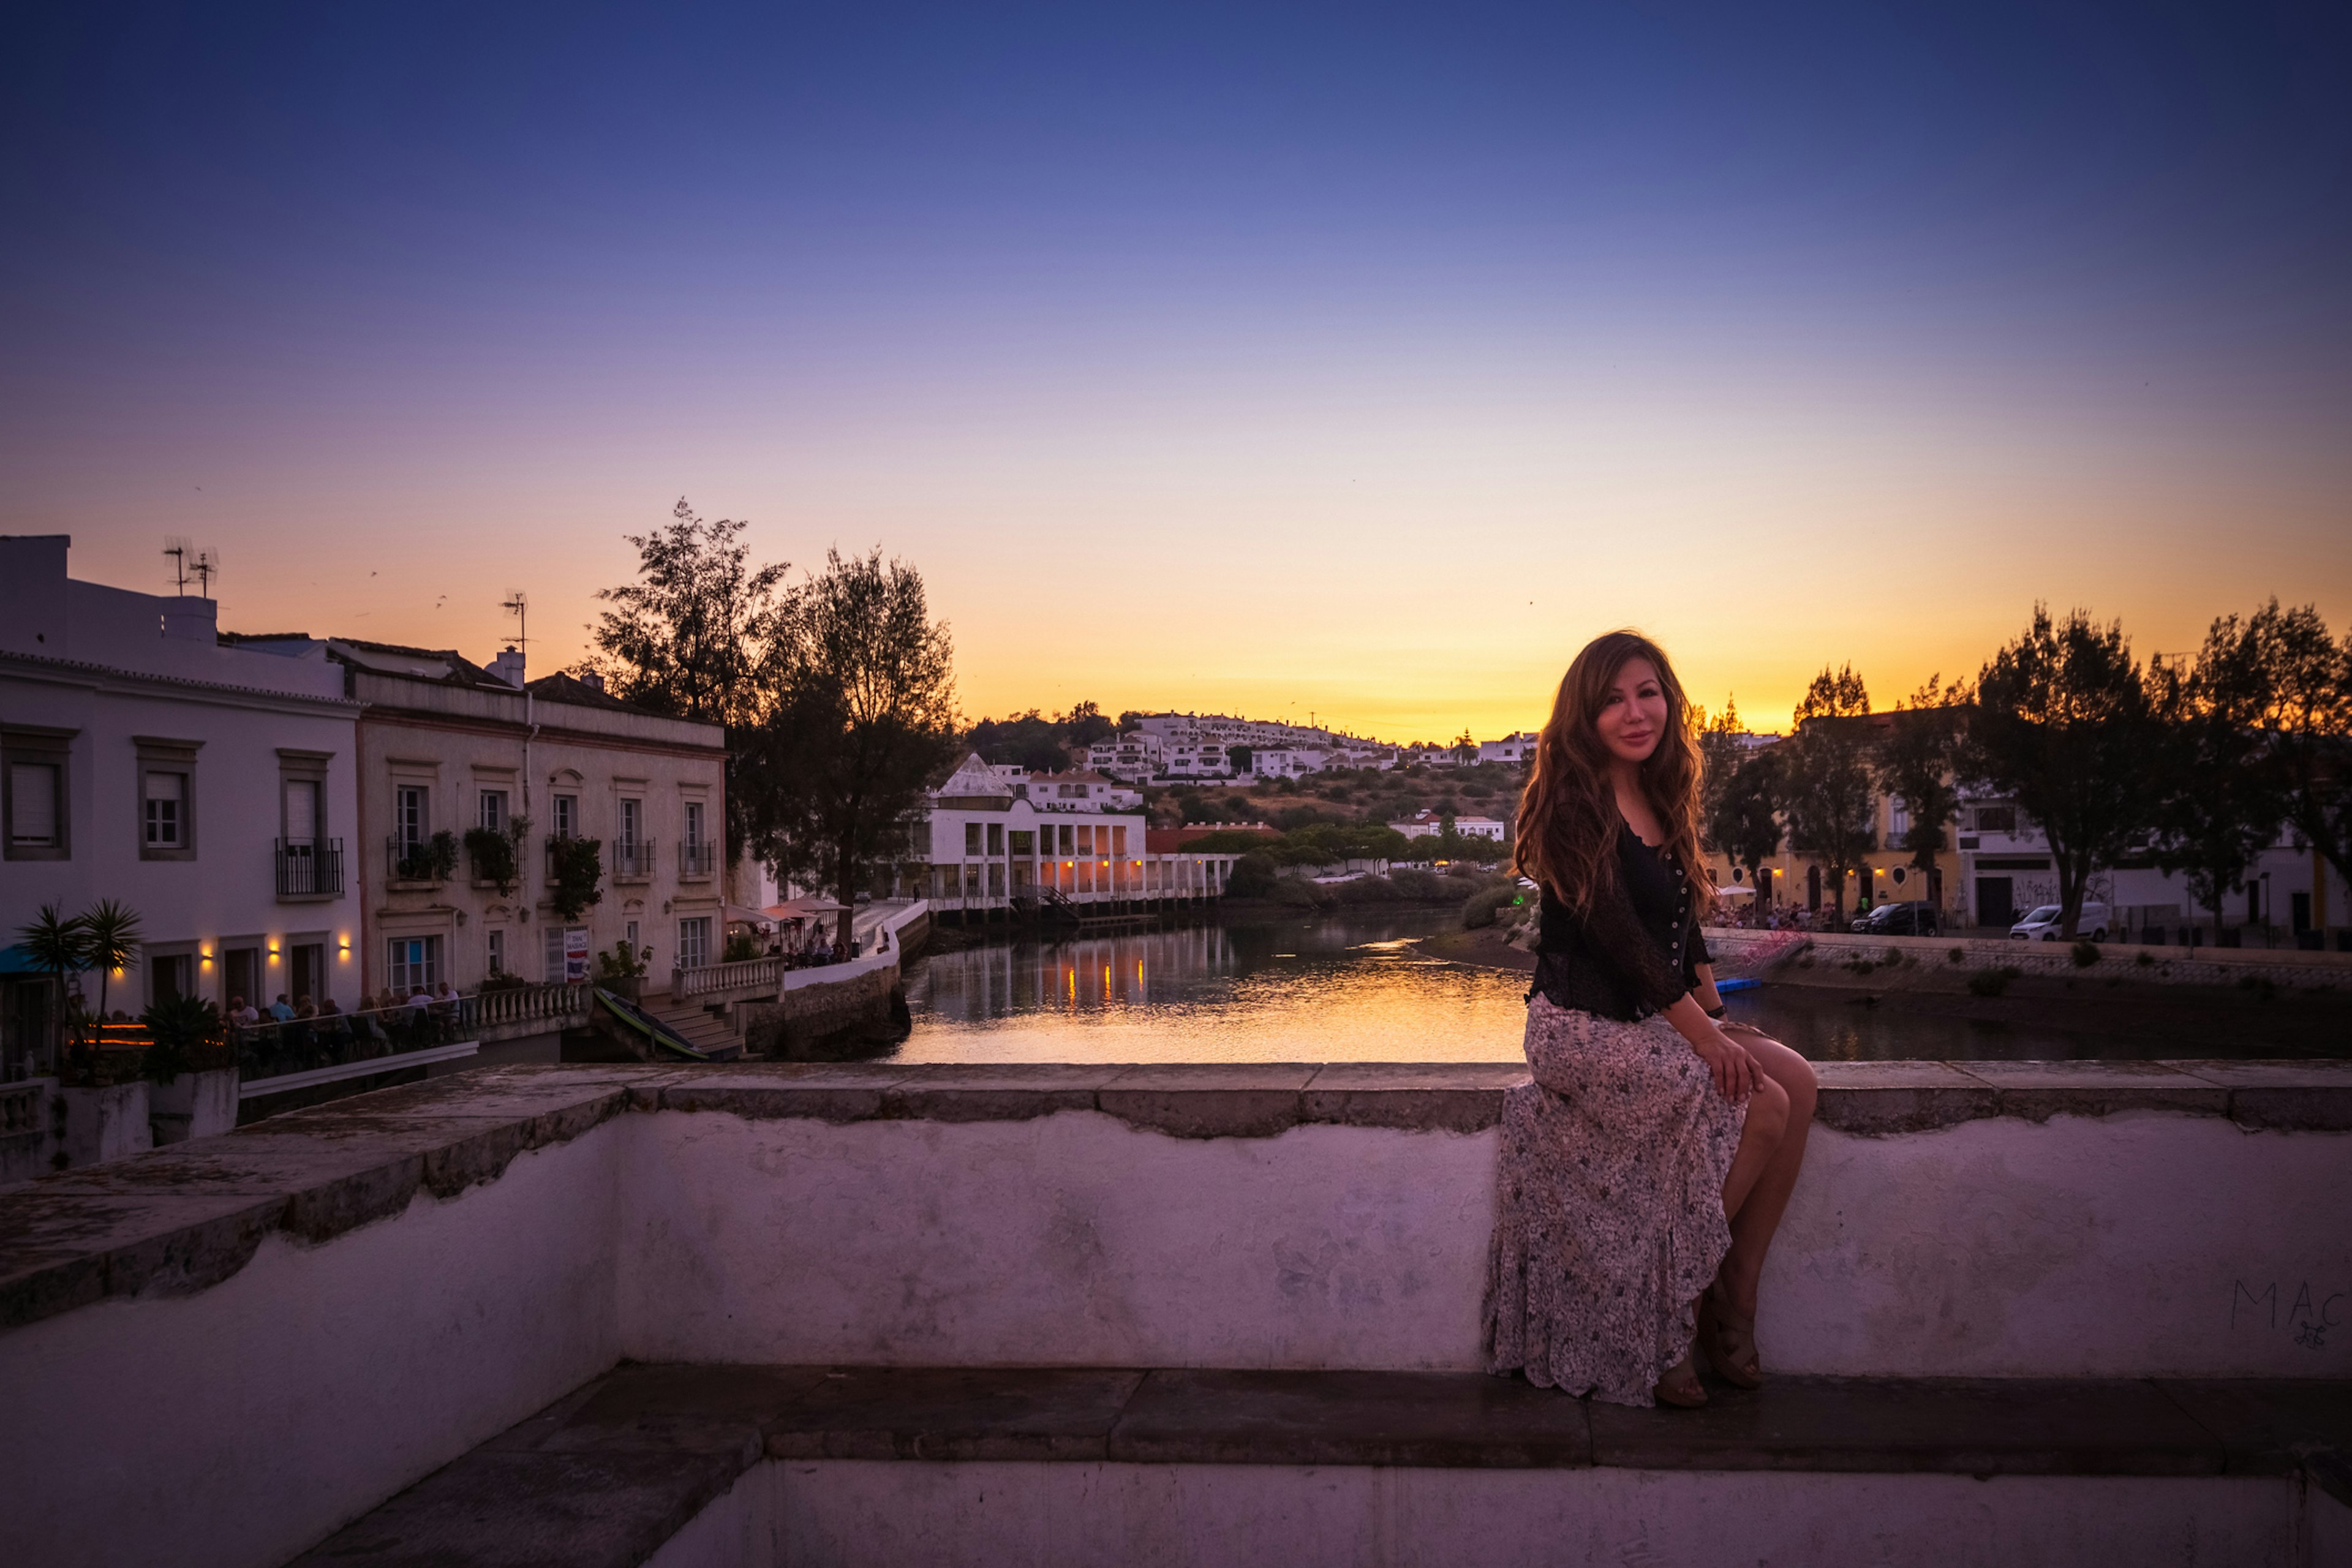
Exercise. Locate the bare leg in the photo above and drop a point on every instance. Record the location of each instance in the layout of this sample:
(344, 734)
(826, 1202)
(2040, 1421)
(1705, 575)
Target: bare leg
(1759, 1138)
(1758, 1216)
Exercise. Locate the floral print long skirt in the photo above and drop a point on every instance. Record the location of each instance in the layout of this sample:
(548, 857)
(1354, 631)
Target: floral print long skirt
(1608, 1217)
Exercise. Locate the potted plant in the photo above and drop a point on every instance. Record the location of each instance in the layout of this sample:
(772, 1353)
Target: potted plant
(102, 1092)
(191, 1070)
(433, 859)
(497, 854)
(623, 970)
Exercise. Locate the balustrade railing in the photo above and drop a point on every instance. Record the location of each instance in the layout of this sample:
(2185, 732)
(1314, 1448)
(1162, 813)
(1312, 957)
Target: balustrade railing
(712, 979)
(273, 1049)
(505, 1005)
(20, 1110)
(633, 860)
(695, 859)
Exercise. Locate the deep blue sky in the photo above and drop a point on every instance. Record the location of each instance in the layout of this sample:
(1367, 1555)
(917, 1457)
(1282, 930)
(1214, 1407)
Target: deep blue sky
(1877, 325)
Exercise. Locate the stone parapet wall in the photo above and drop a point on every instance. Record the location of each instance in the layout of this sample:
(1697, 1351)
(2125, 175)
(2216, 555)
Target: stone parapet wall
(218, 1351)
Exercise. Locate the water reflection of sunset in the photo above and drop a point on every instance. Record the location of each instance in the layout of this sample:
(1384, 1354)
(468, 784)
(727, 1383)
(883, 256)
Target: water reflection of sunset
(1335, 991)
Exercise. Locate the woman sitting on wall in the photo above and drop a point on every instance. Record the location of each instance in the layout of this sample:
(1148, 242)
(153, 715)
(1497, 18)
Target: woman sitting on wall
(1645, 1169)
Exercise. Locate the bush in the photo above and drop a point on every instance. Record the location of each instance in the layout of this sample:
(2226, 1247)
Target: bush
(1490, 895)
(2087, 953)
(1252, 877)
(1992, 981)
(1412, 882)
(741, 945)
(1302, 893)
(1366, 890)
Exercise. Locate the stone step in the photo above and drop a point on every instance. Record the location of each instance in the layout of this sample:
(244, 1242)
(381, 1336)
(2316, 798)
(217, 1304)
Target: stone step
(620, 1467)
(693, 1023)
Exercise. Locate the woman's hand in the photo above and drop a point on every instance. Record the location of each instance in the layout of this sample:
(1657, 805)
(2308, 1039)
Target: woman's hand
(1734, 1069)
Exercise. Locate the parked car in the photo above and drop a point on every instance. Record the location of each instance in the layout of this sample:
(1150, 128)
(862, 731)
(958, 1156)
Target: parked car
(1918, 918)
(2043, 924)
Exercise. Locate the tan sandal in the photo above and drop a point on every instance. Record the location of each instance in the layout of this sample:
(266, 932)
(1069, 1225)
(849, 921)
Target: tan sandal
(1729, 1342)
(1680, 1387)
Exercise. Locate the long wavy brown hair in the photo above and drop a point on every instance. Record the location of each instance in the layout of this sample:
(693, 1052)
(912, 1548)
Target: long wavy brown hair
(1569, 820)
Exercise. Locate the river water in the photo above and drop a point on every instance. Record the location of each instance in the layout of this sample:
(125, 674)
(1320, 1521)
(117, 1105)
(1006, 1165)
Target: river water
(1356, 987)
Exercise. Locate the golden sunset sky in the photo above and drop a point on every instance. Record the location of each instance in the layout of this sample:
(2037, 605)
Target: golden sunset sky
(1264, 362)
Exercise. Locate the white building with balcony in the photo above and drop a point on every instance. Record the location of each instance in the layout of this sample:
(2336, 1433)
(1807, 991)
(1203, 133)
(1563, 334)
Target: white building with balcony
(1069, 842)
(1082, 791)
(2290, 895)
(588, 795)
(212, 789)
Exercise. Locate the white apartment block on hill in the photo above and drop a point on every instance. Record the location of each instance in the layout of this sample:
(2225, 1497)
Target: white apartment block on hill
(1513, 749)
(1426, 824)
(1135, 757)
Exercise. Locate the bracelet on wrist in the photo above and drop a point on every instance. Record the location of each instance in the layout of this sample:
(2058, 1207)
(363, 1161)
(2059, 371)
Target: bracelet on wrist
(1717, 1011)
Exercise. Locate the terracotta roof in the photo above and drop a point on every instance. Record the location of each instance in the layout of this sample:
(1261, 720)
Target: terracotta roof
(563, 688)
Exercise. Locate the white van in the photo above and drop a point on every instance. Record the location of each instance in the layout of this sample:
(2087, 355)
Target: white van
(2044, 925)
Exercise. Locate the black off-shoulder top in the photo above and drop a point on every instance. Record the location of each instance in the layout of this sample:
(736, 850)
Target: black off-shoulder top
(1628, 956)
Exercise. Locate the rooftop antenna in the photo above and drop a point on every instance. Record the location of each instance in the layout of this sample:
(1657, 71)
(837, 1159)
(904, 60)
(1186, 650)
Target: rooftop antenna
(175, 550)
(520, 607)
(206, 566)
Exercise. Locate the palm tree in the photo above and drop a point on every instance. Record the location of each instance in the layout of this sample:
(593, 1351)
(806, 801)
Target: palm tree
(54, 942)
(110, 941)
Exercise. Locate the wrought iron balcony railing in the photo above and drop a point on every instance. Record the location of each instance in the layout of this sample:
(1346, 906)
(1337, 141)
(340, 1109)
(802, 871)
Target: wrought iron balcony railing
(310, 868)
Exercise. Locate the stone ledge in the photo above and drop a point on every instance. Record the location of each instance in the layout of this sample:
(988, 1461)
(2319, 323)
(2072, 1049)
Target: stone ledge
(183, 1217)
(188, 1216)
(1259, 1099)
(621, 1464)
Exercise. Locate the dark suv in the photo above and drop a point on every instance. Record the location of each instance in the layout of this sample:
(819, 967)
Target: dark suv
(1918, 919)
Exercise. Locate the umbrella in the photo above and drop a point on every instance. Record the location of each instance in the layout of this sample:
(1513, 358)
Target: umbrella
(1735, 892)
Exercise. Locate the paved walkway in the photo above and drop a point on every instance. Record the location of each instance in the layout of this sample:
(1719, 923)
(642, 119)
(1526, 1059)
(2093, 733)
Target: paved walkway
(606, 1475)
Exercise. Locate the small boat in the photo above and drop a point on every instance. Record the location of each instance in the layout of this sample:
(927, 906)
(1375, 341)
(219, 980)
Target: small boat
(655, 1032)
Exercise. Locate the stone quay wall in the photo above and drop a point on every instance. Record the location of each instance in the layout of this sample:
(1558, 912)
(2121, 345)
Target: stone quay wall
(809, 1012)
(1926, 963)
